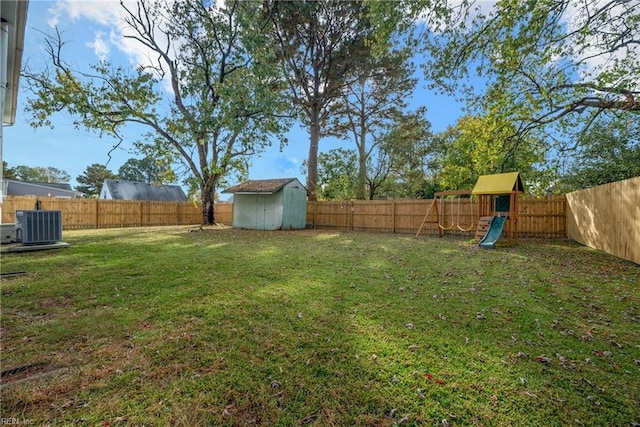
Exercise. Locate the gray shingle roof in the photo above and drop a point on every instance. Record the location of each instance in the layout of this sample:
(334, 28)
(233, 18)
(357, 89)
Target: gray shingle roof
(129, 190)
(12, 187)
(267, 186)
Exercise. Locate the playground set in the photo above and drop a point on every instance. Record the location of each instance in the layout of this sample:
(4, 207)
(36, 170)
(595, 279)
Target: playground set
(497, 209)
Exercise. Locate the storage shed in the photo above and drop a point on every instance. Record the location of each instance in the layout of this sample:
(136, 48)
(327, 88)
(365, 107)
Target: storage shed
(269, 204)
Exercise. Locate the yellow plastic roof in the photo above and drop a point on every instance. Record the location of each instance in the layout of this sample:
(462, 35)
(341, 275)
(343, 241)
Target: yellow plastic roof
(500, 183)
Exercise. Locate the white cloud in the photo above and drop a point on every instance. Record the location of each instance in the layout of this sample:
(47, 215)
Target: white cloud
(103, 12)
(99, 46)
(287, 164)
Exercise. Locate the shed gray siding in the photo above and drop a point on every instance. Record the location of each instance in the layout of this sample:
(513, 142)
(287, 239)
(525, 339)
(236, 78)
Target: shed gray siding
(269, 204)
(258, 211)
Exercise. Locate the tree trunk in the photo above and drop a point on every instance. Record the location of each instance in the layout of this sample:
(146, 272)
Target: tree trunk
(361, 181)
(312, 163)
(207, 196)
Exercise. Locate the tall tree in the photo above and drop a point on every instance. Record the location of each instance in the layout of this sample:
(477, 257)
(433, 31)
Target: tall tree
(319, 45)
(148, 170)
(223, 97)
(370, 105)
(399, 170)
(550, 67)
(553, 66)
(395, 167)
(92, 178)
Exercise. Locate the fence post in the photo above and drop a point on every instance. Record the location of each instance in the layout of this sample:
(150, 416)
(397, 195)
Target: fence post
(315, 209)
(393, 216)
(97, 208)
(351, 209)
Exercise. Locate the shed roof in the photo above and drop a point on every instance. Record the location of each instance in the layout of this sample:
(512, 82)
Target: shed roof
(500, 183)
(130, 190)
(261, 186)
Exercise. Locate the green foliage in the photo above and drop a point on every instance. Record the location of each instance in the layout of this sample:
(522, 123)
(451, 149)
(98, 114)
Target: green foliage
(394, 165)
(402, 153)
(552, 66)
(7, 172)
(337, 174)
(484, 145)
(92, 178)
(148, 170)
(320, 45)
(370, 107)
(47, 174)
(549, 68)
(225, 89)
(608, 151)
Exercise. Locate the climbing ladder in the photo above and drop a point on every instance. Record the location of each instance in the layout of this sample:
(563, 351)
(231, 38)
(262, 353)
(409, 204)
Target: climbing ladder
(483, 226)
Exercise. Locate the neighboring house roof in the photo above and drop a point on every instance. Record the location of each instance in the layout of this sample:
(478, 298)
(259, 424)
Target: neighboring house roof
(14, 16)
(12, 187)
(501, 183)
(129, 190)
(261, 186)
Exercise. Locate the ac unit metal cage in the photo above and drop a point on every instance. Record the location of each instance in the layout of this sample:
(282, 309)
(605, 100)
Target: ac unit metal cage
(38, 227)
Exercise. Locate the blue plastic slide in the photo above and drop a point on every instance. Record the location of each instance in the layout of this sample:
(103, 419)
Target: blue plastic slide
(493, 233)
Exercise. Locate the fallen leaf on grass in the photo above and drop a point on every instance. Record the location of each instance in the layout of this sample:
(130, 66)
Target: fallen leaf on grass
(543, 359)
(430, 377)
(514, 357)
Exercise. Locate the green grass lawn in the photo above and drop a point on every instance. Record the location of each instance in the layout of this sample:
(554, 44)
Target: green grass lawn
(162, 326)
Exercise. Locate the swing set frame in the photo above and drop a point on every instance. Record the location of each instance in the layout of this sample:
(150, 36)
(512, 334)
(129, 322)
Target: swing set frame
(439, 200)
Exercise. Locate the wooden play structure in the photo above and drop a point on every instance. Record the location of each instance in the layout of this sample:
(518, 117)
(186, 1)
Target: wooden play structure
(497, 209)
(453, 198)
(498, 196)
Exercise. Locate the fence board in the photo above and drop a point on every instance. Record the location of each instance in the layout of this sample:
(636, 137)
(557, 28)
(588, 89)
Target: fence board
(94, 213)
(539, 217)
(607, 217)
(544, 217)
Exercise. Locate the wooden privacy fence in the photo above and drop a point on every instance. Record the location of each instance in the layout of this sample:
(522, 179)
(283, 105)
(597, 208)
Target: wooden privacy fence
(607, 217)
(95, 213)
(539, 217)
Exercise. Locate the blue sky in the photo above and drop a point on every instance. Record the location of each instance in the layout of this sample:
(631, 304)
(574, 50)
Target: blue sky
(88, 27)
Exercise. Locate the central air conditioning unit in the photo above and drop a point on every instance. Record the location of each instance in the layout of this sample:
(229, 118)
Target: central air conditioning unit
(38, 227)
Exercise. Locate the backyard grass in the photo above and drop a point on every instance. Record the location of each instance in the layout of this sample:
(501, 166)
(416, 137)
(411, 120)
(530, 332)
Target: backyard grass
(163, 326)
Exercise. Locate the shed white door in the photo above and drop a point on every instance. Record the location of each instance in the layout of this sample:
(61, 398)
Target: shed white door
(265, 213)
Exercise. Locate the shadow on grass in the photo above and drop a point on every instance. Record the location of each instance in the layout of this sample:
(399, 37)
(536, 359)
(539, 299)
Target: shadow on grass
(239, 327)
